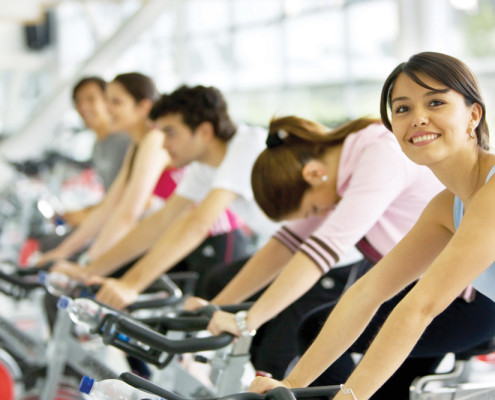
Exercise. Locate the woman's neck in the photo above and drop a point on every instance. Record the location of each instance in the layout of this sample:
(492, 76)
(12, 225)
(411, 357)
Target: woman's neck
(465, 175)
(138, 132)
(102, 129)
(331, 159)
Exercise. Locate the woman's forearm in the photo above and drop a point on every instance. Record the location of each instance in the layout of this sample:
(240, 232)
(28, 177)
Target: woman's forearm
(112, 232)
(135, 243)
(84, 233)
(388, 351)
(139, 239)
(344, 325)
(300, 274)
(258, 272)
(178, 241)
(94, 222)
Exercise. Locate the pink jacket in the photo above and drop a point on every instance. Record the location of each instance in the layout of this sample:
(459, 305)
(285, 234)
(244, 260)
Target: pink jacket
(382, 195)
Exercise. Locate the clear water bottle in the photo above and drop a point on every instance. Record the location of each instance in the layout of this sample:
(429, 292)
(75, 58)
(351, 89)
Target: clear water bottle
(87, 314)
(57, 283)
(83, 311)
(113, 389)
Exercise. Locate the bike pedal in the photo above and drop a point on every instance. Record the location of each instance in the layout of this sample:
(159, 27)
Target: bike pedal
(201, 359)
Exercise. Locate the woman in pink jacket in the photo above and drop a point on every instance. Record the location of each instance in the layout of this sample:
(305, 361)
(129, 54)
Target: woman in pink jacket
(348, 187)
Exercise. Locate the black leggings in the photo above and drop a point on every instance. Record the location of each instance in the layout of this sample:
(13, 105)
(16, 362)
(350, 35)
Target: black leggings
(274, 345)
(460, 327)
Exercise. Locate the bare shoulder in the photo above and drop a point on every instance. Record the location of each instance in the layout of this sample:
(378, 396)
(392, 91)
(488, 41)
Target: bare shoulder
(483, 200)
(440, 210)
(153, 136)
(151, 145)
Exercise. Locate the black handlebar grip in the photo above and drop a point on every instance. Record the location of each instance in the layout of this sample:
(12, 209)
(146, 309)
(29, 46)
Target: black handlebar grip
(190, 321)
(280, 393)
(148, 336)
(186, 324)
(19, 281)
(208, 310)
(233, 308)
(316, 391)
(33, 270)
(162, 292)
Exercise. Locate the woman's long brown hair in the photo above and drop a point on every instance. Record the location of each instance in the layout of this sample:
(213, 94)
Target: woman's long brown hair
(276, 178)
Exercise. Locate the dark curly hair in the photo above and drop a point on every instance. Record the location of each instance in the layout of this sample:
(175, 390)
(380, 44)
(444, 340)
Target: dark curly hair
(196, 105)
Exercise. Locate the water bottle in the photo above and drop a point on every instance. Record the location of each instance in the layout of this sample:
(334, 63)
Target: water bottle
(56, 283)
(83, 311)
(113, 389)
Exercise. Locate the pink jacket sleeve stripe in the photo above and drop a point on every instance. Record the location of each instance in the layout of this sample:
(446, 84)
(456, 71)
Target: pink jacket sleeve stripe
(316, 257)
(288, 238)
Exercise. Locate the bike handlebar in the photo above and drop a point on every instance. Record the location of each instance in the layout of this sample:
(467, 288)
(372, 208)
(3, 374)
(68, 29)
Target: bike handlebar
(141, 341)
(17, 287)
(279, 393)
(32, 271)
(190, 321)
(16, 284)
(162, 293)
(165, 292)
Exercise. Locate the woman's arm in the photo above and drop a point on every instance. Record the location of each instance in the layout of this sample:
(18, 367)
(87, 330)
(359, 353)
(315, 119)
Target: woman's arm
(256, 274)
(150, 160)
(143, 236)
(350, 221)
(94, 221)
(181, 237)
(260, 270)
(467, 255)
(299, 275)
(401, 266)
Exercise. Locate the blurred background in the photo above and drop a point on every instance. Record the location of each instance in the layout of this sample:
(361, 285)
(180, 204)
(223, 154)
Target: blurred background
(320, 59)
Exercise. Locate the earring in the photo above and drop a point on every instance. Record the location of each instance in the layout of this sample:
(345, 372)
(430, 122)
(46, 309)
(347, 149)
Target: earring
(324, 178)
(472, 134)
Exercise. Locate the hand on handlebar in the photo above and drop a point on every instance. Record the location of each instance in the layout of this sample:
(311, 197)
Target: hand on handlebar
(223, 322)
(262, 384)
(193, 303)
(114, 292)
(49, 256)
(70, 269)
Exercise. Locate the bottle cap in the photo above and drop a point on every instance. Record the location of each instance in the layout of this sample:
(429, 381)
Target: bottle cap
(42, 275)
(63, 302)
(86, 384)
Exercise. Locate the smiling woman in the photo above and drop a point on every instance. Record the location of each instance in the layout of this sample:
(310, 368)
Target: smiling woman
(425, 116)
(438, 117)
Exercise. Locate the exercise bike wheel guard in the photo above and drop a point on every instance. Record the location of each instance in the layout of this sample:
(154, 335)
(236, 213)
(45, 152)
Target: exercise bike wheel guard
(7, 384)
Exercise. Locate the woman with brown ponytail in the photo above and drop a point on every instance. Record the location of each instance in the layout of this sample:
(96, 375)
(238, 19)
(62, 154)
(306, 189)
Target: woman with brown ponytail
(351, 186)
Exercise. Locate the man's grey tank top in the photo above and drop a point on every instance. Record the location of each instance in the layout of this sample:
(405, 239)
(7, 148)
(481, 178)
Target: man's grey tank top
(485, 283)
